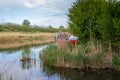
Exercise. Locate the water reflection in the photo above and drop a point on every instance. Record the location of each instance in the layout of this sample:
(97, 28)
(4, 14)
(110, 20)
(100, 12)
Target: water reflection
(11, 64)
(27, 64)
(28, 59)
(71, 74)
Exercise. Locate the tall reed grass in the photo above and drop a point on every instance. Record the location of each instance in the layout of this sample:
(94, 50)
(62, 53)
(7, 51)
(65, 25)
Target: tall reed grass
(89, 55)
(17, 39)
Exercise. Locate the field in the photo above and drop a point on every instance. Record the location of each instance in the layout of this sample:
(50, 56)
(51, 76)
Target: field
(19, 39)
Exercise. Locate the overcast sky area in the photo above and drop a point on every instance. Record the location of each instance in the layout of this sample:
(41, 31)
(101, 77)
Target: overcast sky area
(38, 12)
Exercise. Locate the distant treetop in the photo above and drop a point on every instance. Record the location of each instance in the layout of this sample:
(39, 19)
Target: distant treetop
(26, 22)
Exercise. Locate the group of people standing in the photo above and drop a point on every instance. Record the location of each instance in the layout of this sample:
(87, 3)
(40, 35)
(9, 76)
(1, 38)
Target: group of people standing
(62, 36)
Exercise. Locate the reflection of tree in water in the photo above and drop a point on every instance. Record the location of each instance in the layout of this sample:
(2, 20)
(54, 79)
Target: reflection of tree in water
(72, 74)
(116, 75)
(28, 59)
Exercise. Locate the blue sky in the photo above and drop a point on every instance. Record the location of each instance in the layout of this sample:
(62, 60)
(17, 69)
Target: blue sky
(38, 12)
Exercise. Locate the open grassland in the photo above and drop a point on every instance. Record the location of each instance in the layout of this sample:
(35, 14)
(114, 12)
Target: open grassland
(17, 39)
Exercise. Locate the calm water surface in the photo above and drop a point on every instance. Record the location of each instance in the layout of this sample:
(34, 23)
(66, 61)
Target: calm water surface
(12, 68)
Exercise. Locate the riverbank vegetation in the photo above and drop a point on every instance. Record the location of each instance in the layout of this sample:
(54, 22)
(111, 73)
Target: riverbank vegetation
(19, 39)
(97, 24)
(81, 56)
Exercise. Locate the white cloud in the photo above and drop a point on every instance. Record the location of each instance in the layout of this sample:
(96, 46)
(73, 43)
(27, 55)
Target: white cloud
(32, 4)
(54, 21)
(21, 3)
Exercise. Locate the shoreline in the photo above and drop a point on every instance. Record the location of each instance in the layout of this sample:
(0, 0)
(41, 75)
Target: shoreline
(85, 69)
(24, 46)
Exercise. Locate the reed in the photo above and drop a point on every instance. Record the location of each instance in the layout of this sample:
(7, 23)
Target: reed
(89, 55)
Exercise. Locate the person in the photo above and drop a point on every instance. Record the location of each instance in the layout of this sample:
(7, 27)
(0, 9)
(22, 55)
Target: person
(73, 40)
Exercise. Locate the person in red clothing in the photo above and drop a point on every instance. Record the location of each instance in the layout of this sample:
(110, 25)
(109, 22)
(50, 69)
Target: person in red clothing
(74, 42)
(73, 39)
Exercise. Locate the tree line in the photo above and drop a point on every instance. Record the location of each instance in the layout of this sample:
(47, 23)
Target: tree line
(26, 27)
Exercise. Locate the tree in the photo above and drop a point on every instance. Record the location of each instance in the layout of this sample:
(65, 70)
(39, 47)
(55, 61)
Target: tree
(96, 20)
(93, 19)
(50, 27)
(61, 27)
(26, 22)
(82, 18)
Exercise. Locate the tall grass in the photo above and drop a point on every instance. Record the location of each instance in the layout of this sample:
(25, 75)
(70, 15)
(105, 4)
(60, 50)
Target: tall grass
(88, 55)
(18, 39)
(52, 54)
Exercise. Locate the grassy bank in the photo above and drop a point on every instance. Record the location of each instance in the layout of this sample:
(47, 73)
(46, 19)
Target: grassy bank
(84, 56)
(18, 39)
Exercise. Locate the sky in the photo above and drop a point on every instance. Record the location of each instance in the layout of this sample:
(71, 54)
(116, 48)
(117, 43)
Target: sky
(38, 12)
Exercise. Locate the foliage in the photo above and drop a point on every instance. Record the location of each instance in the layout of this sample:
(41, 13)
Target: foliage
(10, 27)
(61, 28)
(95, 19)
(26, 22)
(116, 62)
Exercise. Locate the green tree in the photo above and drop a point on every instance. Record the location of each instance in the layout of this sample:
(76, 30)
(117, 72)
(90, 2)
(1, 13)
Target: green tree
(26, 22)
(93, 19)
(82, 18)
(61, 27)
(96, 19)
(50, 27)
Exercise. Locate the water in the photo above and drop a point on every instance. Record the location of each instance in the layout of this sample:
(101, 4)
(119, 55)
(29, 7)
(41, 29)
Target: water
(12, 68)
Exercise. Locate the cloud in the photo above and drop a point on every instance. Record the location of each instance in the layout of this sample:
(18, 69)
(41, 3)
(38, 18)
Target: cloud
(54, 21)
(32, 4)
(55, 10)
(21, 3)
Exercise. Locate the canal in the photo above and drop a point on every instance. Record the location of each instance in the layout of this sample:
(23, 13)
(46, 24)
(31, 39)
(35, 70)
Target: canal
(14, 67)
